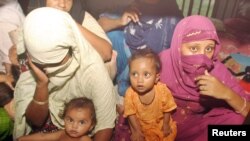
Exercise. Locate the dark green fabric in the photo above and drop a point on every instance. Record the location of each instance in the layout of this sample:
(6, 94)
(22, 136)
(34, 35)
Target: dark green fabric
(6, 125)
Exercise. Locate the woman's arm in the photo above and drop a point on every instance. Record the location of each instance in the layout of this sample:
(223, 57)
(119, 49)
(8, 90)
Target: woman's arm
(92, 31)
(109, 24)
(54, 136)
(103, 47)
(103, 135)
(40, 98)
(238, 103)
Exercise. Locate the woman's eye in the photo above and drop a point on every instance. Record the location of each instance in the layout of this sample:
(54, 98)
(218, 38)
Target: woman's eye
(193, 49)
(209, 49)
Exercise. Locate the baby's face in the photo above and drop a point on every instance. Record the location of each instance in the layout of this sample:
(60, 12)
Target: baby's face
(143, 75)
(64, 5)
(78, 122)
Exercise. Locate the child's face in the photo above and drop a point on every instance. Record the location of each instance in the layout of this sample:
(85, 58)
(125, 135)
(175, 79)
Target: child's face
(64, 5)
(78, 122)
(143, 75)
(205, 47)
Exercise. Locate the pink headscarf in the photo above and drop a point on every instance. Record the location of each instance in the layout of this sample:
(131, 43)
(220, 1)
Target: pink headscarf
(192, 28)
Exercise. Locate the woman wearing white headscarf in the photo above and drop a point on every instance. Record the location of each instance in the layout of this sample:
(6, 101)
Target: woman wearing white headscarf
(73, 67)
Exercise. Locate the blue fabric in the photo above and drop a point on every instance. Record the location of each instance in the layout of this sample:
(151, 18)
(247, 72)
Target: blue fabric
(242, 59)
(118, 44)
(117, 39)
(123, 81)
(151, 31)
(123, 78)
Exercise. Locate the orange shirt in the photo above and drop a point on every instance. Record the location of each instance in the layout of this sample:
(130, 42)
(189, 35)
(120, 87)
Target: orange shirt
(151, 116)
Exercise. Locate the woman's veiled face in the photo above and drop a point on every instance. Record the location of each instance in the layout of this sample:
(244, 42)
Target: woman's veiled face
(205, 47)
(64, 5)
(43, 66)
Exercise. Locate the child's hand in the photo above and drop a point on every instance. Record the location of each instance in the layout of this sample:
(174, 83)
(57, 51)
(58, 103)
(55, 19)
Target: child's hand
(211, 86)
(166, 130)
(137, 136)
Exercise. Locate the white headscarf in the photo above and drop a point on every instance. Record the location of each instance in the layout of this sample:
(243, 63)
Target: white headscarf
(48, 42)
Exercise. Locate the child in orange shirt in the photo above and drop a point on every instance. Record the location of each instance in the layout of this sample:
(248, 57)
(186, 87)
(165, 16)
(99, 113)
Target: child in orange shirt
(148, 102)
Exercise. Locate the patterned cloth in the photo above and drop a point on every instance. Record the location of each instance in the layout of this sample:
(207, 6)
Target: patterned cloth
(153, 31)
(47, 127)
(122, 130)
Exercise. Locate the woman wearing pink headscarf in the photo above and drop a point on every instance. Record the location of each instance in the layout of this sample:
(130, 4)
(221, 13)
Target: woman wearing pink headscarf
(204, 90)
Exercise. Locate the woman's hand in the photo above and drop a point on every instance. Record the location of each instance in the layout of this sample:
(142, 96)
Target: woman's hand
(128, 16)
(211, 86)
(40, 98)
(41, 77)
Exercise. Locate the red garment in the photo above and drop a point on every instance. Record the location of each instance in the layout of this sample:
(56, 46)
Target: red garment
(245, 85)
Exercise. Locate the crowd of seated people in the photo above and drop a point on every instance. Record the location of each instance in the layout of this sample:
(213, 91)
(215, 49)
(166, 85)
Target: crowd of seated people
(82, 50)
